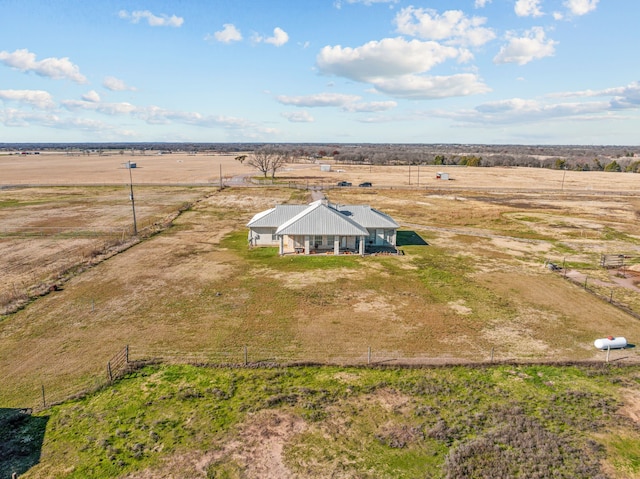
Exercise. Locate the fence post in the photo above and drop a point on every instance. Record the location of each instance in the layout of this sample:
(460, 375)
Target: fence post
(492, 349)
(109, 371)
(246, 356)
(369, 355)
(44, 400)
(608, 351)
(585, 281)
(126, 353)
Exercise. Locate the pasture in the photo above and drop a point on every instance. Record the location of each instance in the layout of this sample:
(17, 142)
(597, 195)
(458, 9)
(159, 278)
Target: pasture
(194, 292)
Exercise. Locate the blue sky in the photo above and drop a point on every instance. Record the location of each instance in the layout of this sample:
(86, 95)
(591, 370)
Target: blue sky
(343, 71)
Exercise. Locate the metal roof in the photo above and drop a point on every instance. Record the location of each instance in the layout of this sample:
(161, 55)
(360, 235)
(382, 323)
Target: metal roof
(366, 216)
(321, 219)
(274, 217)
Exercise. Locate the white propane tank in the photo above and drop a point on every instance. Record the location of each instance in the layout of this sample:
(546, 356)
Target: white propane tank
(610, 343)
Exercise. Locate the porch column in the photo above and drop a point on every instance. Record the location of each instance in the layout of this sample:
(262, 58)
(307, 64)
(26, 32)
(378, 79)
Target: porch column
(281, 245)
(336, 244)
(306, 244)
(362, 240)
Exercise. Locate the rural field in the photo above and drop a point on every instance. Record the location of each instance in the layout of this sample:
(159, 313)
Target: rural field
(77, 288)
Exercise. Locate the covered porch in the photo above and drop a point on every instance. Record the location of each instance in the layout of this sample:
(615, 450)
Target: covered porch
(322, 244)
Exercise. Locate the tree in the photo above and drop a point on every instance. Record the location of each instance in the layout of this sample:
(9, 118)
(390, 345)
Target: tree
(633, 167)
(613, 166)
(561, 164)
(598, 166)
(471, 160)
(267, 160)
(278, 159)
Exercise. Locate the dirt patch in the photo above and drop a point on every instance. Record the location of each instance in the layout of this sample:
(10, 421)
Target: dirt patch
(305, 279)
(460, 307)
(371, 302)
(631, 408)
(256, 454)
(264, 438)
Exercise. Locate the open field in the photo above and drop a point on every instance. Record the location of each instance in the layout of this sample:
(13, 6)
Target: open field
(183, 168)
(194, 292)
(47, 233)
(189, 290)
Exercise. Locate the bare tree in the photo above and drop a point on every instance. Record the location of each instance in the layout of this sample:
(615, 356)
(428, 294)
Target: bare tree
(260, 159)
(278, 160)
(267, 160)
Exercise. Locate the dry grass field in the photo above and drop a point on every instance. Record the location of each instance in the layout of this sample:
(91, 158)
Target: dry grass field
(195, 292)
(184, 168)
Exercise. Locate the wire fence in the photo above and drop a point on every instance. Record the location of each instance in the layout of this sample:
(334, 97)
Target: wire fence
(596, 291)
(126, 361)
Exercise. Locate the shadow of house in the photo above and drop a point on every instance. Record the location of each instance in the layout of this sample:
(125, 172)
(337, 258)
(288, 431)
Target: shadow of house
(21, 438)
(409, 238)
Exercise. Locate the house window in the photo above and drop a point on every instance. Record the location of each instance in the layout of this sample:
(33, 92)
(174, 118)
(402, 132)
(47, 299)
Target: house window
(388, 236)
(317, 240)
(330, 240)
(274, 237)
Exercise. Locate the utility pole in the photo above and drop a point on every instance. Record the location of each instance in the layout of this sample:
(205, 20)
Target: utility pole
(133, 203)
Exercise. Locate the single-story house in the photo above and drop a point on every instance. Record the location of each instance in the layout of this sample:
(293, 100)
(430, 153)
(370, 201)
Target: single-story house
(323, 227)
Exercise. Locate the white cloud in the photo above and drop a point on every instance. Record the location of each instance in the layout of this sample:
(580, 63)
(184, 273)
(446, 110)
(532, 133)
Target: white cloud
(390, 57)
(156, 115)
(105, 108)
(228, 34)
(55, 68)
(481, 3)
(525, 111)
(625, 97)
(452, 26)
(368, 3)
(279, 38)
(528, 8)
(370, 107)
(521, 50)
(581, 7)
(115, 84)
(521, 111)
(153, 20)
(350, 103)
(36, 98)
(318, 100)
(432, 87)
(298, 117)
(92, 96)
(17, 118)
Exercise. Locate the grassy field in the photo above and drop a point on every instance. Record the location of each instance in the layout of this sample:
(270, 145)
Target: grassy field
(47, 233)
(321, 422)
(194, 293)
